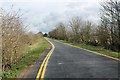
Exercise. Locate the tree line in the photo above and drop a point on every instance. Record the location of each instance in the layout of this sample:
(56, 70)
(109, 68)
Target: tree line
(15, 40)
(106, 34)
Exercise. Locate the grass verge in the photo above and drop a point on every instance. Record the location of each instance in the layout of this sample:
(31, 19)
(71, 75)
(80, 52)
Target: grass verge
(94, 48)
(34, 52)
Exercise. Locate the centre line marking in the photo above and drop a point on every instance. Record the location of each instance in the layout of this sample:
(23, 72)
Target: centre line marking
(42, 69)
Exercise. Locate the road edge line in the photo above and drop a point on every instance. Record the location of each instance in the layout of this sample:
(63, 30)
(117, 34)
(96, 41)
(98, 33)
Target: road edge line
(117, 59)
(43, 66)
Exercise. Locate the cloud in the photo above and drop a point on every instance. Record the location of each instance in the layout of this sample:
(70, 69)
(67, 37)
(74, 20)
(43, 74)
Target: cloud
(42, 15)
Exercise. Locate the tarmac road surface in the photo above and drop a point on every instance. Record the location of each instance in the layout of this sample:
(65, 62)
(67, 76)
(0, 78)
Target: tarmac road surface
(70, 62)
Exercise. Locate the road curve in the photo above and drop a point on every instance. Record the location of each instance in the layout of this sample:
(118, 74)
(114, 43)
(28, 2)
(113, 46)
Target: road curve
(70, 62)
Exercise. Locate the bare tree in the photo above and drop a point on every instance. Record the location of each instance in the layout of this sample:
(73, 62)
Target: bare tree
(75, 24)
(59, 32)
(111, 11)
(107, 34)
(13, 37)
(0, 46)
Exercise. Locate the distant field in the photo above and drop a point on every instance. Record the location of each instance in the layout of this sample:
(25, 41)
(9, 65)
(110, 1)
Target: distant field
(94, 48)
(34, 52)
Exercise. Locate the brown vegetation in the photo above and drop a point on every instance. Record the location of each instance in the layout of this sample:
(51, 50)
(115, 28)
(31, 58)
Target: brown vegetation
(14, 38)
(106, 34)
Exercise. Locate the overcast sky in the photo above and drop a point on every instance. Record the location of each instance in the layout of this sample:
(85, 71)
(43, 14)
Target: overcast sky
(42, 15)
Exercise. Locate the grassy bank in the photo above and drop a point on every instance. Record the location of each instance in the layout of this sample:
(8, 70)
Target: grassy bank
(33, 52)
(94, 48)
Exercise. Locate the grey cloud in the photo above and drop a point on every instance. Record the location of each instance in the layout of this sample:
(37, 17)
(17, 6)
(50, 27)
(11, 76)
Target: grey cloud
(44, 16)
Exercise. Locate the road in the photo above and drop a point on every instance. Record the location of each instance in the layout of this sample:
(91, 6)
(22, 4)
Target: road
(70, 62)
